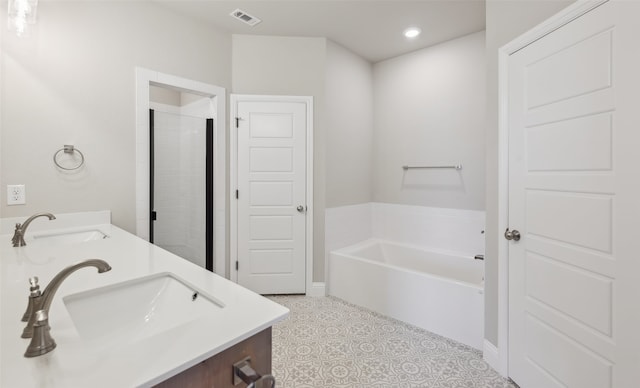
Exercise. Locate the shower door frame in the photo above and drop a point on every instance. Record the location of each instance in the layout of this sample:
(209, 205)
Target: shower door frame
(208, 161)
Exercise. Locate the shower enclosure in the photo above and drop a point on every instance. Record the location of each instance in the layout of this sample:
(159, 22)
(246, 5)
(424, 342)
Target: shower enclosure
(181, 182)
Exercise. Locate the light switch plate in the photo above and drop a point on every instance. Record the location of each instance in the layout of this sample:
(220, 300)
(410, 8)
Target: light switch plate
(16, 195)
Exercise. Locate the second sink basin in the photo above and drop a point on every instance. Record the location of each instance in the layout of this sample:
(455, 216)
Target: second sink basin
(70, 237)
(139, 308)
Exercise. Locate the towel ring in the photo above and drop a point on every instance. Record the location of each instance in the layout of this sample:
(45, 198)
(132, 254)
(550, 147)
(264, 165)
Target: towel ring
(68, 149)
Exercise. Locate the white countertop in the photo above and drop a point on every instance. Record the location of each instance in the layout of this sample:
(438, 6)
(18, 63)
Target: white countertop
(79, 363)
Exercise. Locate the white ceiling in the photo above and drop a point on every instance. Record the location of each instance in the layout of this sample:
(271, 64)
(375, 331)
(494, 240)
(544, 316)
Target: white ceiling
(371, 29)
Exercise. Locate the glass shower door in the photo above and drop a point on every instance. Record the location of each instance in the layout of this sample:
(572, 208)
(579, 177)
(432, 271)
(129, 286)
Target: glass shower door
(179, 185)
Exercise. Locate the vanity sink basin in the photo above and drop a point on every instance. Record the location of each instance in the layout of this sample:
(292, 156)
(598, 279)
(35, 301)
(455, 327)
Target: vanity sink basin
(139, 308)
(70, 237)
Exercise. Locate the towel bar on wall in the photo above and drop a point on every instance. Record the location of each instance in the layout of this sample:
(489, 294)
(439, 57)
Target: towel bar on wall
(457, 167)
(70, 150)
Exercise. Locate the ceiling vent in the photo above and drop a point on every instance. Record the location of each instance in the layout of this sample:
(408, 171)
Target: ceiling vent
(245, 17)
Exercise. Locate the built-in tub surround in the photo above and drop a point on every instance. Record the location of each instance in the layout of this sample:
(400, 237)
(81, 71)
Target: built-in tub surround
(453, 230)
(412, 263)
(99, 362)
(436, 291)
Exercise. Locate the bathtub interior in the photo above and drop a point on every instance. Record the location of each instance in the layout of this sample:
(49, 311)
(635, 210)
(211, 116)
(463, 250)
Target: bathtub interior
(369, 249)
(446, 265)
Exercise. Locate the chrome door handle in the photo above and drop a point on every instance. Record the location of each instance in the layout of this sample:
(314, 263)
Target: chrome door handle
(512, 234)
(300, 209)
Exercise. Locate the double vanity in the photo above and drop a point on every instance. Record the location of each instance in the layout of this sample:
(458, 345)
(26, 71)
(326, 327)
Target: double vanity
(151, 319)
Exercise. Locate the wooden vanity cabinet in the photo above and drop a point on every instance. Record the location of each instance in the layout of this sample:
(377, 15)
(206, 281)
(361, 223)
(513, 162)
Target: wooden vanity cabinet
(217, 371)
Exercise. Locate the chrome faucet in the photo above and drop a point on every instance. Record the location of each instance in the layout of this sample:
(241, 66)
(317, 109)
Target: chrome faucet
(18, 234)
(39, 303)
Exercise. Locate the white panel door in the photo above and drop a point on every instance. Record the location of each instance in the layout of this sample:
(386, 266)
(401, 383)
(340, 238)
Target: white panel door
(271, 200)
(574, 173)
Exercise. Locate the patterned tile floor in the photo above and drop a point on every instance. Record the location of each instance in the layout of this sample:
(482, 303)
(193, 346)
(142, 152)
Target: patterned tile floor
(326, 342)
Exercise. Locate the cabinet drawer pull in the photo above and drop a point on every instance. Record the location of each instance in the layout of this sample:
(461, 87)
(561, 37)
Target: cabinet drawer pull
(243, 372)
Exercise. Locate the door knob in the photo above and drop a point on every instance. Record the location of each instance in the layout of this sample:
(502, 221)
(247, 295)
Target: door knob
(300, 208)
(512, 234)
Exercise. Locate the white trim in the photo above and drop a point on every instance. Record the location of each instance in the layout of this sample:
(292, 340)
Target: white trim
(502, 365)
(317, 289)
(233, 181)
(490, 355)
(145, 78)
(563, 17)
(233, 186)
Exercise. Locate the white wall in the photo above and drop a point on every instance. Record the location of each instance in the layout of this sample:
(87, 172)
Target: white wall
(349, 127)
(73, 82)
(290, 66)
(429, 109)
(505, 21)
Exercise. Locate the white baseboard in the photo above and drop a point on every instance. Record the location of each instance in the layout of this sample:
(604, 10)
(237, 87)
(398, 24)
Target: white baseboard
(491, 356)
(317, 289)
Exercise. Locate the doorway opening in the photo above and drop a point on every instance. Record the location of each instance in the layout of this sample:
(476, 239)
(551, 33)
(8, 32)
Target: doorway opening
(180, 172)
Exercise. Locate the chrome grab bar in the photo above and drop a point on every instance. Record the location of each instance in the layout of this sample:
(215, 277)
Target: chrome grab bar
(457, 167)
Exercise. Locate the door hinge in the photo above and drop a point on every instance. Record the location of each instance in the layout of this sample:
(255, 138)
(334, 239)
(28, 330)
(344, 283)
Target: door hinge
(238, 122)
(237, 265)
(154, 216)
(237, 194)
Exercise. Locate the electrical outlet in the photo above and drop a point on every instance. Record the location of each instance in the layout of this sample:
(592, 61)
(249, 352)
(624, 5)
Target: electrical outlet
(16, 195)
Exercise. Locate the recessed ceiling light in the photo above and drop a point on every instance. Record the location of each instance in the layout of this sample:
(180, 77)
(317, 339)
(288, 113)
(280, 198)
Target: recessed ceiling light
(412, 32)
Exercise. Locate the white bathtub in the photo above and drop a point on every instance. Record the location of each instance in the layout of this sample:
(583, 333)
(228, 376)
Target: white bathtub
(438, 292)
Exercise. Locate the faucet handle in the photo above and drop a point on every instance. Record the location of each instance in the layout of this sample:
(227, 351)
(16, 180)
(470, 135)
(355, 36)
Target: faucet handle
(34, 291)
(33, 281)
(35, 287)
(18, 236)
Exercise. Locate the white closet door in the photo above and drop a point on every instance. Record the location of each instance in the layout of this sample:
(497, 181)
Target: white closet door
(574, 190)
(271, 200)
